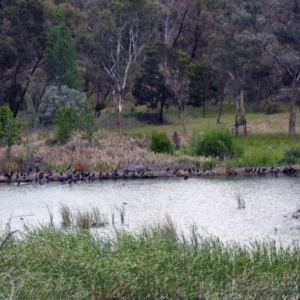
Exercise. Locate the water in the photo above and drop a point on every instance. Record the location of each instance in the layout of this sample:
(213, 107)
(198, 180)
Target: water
(209, 203)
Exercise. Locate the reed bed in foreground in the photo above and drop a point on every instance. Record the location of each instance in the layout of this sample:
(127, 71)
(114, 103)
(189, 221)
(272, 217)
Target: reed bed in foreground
(51, 263)
(82, 219)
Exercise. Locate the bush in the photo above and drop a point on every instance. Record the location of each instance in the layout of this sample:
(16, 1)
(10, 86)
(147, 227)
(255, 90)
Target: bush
(216, 143)
(56, 97)
(10, 128)
(87, 125)
(66, 122)
(291, 156)
(160, 143)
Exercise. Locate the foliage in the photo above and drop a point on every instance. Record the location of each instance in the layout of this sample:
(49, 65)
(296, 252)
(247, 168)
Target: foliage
(291, 156)
(216, 143)
(202, 85)
(67, 121)
(10, 128)
(61, 57)
(150, 86)
(160, 143)
(22, 45)
(56, 97)
(87, 125)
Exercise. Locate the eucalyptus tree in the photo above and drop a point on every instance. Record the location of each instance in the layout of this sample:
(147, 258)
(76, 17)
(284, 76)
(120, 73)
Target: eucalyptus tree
(186, 25)
(151, 87)
(271, 27)
(22, 47)
(236, 53)
(61, 56)
(286, 48)
(124, 30)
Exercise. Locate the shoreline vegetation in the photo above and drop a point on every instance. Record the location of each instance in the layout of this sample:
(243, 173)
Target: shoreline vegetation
(155, 263)
(267, 150)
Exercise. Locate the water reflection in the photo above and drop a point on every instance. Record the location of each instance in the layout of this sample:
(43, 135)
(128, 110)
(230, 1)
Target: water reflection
(210, 203)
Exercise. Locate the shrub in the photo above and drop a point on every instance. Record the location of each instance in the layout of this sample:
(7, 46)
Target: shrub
(160, 143)
(216, 143)
(88, 126)
(10, 128)
(56, 97)
(66, 121)
(291, 156)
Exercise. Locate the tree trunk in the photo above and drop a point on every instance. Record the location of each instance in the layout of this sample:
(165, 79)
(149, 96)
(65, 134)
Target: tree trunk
(237, 109)
(220, 110)
(243, 114)
(161, 112)
(22, 96)
(120, 116)
(293, 104)
(182, 115)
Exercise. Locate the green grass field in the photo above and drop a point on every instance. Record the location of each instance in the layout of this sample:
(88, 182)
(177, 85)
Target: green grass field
(265, 144)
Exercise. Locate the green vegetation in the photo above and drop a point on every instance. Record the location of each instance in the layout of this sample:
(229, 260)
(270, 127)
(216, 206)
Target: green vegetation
(68, 121)
(155, 262)
(160, 143)
(291, 156)
(10, 128)
(61, 56)
(82, 219)
(216, 143)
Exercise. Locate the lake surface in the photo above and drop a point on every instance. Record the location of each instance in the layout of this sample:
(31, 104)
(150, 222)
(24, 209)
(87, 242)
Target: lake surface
(209, 203)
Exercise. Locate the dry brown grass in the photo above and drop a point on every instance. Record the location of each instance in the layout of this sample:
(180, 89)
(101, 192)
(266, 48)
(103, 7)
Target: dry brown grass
(107, 152)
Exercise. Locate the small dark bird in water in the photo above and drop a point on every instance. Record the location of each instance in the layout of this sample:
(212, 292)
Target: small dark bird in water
(186, 177)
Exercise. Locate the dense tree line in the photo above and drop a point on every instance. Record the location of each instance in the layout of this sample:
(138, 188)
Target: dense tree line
(161, 52)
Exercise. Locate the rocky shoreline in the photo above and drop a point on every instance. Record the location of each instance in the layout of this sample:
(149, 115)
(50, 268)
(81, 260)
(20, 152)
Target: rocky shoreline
(73, 176)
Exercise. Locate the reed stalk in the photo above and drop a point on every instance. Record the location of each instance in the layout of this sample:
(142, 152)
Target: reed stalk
(121, 211)
(241, 202)
(66, 215)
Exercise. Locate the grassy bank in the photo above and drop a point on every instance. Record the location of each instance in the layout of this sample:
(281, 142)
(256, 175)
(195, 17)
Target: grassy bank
(155, 263)
(266, 144)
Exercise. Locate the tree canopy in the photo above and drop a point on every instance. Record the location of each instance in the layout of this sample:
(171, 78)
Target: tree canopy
(205, 49)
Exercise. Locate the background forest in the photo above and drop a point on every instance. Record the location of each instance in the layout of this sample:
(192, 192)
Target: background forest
(154, 53)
